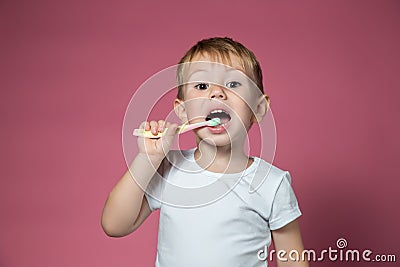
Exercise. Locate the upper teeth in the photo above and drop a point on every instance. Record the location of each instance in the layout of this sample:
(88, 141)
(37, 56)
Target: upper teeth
(217, 111)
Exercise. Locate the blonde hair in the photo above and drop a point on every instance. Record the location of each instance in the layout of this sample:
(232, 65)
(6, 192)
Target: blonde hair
(222, 48)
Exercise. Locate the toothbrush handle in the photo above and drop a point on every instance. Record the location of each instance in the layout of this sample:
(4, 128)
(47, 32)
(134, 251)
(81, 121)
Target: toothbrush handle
(180, 130)
(148, 134)
(187, 127)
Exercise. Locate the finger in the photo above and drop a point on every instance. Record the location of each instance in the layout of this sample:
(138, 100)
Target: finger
(143, 125)
(154, 127)
(161, 124)
(147, 126)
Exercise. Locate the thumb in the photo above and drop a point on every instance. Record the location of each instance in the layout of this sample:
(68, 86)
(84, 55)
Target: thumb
(168, 137)
(171, 129)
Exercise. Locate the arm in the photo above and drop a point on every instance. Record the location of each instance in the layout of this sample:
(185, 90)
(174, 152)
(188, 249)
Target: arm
(288, 238)
(126, 206)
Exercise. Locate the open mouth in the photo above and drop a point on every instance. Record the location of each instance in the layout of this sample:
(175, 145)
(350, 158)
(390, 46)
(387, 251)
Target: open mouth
(219, 113)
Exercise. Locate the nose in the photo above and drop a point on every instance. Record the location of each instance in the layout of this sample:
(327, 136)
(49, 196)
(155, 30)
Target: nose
(217, 92)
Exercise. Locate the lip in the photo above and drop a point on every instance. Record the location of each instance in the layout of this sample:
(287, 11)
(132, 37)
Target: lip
(219, 128)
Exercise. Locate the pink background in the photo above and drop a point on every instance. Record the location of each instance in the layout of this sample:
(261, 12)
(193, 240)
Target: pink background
(69, 69)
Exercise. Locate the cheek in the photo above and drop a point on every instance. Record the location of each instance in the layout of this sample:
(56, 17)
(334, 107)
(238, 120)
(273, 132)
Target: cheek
(192, 93)
(246, 115)
(194, 109)
(249, 96)
(243, 105)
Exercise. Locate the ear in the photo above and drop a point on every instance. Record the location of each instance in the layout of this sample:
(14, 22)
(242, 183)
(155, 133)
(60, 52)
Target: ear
(180, 110)
(261, 108)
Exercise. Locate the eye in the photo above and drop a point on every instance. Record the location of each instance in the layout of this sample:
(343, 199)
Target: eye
(202, 86)
(233, 84)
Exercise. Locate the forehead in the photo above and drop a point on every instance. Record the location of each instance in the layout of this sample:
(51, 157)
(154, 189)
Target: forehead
(230, 60)
(214, 66)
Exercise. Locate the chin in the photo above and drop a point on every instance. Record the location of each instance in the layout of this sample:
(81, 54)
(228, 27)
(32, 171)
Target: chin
(221, 140)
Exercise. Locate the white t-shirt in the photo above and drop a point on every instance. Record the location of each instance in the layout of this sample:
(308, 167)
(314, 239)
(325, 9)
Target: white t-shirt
(210, 219)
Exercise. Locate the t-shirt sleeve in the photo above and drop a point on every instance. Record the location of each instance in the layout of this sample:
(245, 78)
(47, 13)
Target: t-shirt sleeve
(285, 208)
(154, 190)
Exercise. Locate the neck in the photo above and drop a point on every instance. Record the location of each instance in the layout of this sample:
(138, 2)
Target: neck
(222, 159)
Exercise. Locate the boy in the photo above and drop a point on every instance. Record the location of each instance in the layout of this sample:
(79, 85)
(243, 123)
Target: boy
(207, 215)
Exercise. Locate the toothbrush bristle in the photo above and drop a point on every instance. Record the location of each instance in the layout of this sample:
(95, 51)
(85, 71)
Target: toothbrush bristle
(215, 121)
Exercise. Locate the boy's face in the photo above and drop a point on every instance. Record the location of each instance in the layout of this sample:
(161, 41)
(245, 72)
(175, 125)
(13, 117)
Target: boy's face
(213, 90)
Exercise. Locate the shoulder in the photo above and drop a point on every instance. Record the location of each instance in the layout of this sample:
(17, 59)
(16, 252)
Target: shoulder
(267, 176)
(264, 184)
(272, 170)
(267, 180)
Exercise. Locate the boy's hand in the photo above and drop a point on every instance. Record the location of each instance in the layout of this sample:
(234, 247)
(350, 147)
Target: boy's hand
(156, 149)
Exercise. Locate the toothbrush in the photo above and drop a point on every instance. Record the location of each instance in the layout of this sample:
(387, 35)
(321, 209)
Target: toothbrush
(181, 129)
